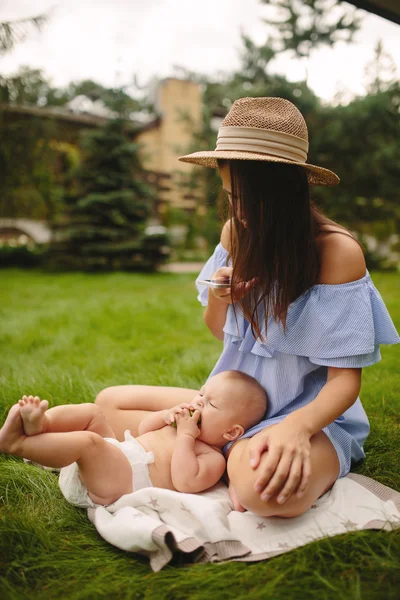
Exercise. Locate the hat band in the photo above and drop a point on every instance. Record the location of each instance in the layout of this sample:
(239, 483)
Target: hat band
(263, 141)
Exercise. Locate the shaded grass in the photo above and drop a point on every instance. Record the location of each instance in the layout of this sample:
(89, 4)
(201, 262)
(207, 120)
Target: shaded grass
(65, 337)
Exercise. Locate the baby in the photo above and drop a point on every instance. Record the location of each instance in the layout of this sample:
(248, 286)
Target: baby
(97, 469)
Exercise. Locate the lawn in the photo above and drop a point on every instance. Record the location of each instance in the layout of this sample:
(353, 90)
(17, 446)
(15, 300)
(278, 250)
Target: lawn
(64, 338)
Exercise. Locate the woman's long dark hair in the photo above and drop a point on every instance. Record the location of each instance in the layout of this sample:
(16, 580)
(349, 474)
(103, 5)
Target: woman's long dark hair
(276, 247)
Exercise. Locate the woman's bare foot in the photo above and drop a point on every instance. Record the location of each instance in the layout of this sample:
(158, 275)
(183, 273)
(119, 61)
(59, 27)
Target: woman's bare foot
(11, 432)
(33, 414)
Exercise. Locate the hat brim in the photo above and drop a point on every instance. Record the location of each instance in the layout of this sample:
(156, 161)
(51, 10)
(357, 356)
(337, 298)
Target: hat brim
(316, 175)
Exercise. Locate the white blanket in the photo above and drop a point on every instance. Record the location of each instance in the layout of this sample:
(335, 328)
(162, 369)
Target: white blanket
(162, 524)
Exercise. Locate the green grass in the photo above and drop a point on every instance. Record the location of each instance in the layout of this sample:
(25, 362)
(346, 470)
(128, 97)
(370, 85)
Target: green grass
(65, 337)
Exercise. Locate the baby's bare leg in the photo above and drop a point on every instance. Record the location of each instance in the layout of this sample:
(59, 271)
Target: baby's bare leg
(125, 406)
(68, 417)
(104, 469)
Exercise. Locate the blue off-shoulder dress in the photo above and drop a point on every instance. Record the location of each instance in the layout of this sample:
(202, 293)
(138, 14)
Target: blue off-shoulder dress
(337, 325)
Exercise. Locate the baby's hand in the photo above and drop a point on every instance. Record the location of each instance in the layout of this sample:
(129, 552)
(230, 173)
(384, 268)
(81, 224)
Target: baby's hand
(171, 413)
(187, 423)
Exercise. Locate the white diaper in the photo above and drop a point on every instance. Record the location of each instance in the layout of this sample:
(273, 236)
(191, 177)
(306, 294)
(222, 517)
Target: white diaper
(75, 490)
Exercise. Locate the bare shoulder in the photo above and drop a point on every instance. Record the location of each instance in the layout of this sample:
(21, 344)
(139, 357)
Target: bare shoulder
(342, 259)
(226, 235)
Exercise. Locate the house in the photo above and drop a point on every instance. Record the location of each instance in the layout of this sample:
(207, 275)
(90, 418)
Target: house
(178, 107)
(168, 134)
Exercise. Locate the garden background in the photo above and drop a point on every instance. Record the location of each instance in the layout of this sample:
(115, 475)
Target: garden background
(88, 307)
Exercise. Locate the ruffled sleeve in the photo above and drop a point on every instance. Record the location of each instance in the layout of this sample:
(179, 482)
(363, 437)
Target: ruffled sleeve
(332, 325)
(218, 259)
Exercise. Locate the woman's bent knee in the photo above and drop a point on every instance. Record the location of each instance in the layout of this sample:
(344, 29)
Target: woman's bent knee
(250, 499)
(325, 470)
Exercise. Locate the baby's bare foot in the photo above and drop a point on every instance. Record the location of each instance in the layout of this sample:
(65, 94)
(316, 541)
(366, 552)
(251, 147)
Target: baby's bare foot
(33, 414)
(11, 432)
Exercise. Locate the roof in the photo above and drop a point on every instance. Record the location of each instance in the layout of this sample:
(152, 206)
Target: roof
(388, 9)
(63, 114)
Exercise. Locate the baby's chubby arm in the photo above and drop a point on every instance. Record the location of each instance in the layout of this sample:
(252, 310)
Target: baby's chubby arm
(159, 419)
(191, 472)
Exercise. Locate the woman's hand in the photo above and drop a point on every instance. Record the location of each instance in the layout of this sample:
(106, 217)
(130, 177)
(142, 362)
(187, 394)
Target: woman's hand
(241, 289)
(222, 274)
(282, 455)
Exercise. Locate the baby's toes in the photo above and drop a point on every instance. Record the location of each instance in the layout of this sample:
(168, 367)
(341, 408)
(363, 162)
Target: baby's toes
(36, 400)
(44, 405)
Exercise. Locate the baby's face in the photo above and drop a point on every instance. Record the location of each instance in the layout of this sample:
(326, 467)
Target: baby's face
(217, 407)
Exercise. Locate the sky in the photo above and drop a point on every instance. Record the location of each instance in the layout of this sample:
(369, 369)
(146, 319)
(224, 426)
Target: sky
(109, 41)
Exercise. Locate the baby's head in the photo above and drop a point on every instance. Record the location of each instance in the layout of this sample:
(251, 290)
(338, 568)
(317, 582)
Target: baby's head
(230, 403)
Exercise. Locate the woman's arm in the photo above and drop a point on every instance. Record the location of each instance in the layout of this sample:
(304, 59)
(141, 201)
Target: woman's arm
(338, 394)
(219, 299)
(217, 307)
(287, 468)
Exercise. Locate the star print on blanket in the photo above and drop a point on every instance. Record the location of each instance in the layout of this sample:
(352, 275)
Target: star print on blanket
(203, 527)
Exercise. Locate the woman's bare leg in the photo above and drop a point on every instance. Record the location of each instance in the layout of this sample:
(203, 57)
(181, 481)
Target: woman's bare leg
(68, 417)
(125, 406)
(325, 471)
(104, 468)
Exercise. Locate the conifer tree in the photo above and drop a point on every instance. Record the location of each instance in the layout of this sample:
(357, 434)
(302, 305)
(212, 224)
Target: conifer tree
(103, 225)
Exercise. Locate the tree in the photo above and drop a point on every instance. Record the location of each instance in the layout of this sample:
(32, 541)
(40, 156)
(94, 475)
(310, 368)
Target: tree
(359, 142)
(255, 59)
(31, 181)
(116, 99)
(307, 24)
(103, 226)
(381, 71)
(28, 86)
(31, 86)
(13, 32)
(29, 184)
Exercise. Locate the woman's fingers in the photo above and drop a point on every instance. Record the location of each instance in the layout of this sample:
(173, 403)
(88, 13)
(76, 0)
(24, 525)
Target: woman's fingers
(267, 468)
(221, 293)
(222, 275)
(257, 447)
(222, 272)
(292, 480)
(278, 478)
(305, 478)
(242, 288)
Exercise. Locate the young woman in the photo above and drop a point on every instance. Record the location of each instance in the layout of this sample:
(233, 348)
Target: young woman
(302, 316)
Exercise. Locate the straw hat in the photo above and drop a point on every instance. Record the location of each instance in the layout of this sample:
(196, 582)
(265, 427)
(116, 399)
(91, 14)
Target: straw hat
(266, 129)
